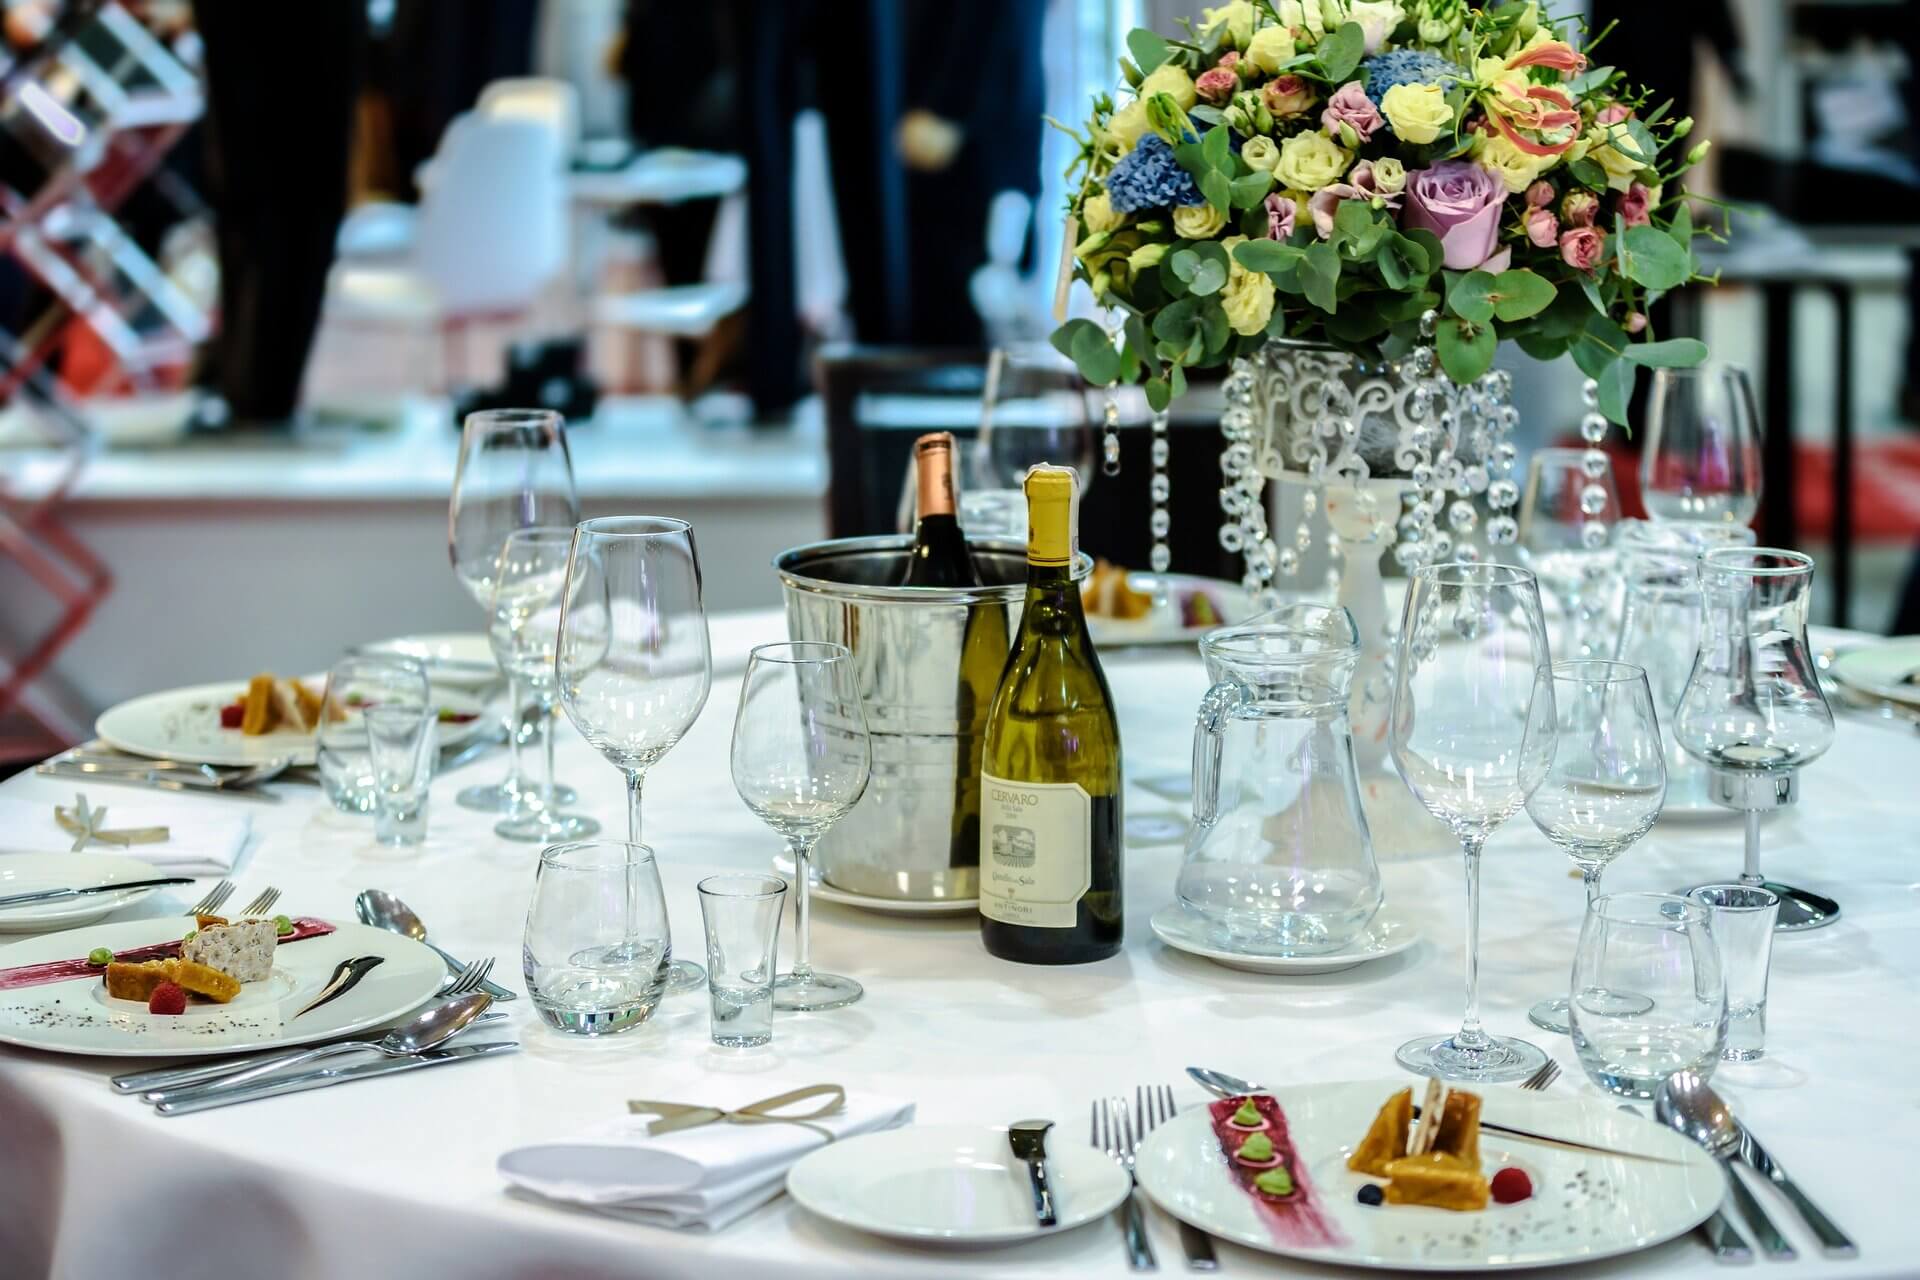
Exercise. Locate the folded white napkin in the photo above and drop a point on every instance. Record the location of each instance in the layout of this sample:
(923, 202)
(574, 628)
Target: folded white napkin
(202, 839)
(704, 1177)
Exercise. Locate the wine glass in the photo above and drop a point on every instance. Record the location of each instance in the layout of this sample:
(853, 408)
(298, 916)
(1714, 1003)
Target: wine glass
(632, 662)
(1607, 781)
(1470, 730)
(801, 761)
(524, 630)
(1035, 409)
(514, 473)
(1701, 459)
(1570, 507)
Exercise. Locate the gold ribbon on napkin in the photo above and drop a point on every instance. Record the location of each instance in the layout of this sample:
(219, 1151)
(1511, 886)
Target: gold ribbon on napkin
(675, 1116)
(86, 825)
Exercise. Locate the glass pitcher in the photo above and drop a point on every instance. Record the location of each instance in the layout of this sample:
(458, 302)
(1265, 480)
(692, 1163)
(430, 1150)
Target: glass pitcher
(1279, 861)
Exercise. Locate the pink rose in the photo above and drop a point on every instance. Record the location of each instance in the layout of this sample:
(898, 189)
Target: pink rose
(1230, 59)
(1635, 205)
(1580, 247)
(1217, 85)
(1580, 208)
(1360, 185)
(1286, 96)
(1636, 321)
(1459, 202)
(1281, 212)
(1542, 227)
(1612, 115)
(1351, 106)
(1540, 194)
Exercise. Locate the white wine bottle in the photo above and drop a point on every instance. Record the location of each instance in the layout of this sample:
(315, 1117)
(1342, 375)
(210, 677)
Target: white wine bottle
(1050, 844)
(940, 557)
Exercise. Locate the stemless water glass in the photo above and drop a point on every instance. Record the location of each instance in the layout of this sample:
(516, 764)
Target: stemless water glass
(514, 473)
(1701, 459)
(1471, 735)
(400, 742)
(354, 684)
(1649, 1000)
(742, 918)
(1566, 518)
(801, 761)
(1607, 781)
(632, 662)
(1741, 918)
(524, 630)
(597, 943)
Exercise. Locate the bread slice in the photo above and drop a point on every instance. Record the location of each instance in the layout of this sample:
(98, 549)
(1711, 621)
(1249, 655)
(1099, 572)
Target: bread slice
(137, 981)
(203, 980)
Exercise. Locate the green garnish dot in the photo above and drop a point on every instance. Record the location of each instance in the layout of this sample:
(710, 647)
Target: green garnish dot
(1248, 1114)
(282, 925)
(191, 935)
(1274, 1182)
(100, 956)
(1258, 1148)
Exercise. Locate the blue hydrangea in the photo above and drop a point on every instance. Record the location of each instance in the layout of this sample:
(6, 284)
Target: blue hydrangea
(1148, 177)
(1406, 66)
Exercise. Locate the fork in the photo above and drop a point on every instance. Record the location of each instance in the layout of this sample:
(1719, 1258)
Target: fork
(468, 979)
(211, 903)
(1151, 1105)
(260, 905)
(1549, 1072)
(1113, 1133)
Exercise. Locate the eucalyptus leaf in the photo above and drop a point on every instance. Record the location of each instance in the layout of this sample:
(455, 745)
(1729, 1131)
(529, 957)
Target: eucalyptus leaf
(1149, 49)
(1063, 337)
(1216, 147)
(1652, 259)
(1673, 353)
(1616, 389)
(1520, 294)
(1248, 191)
(1465, 350)
(1159, 395)
(1540, 346)
(1471, 298)
(1588, 173)
(1208, 279)
(1183, 263)
(1320, 274)
(1206, 113)
(1094, 353)
(1599, 344)
(1340, 51)
(1178, 381)
(1218, 190)
(1267, 255)
(1213, 326)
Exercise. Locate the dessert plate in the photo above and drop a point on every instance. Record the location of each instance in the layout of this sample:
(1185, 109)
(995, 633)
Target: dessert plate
(827, 891)
(1184, 930)
(78, 1016)
(27, 872)
(1163, 623)
(1881, 670)
(184, 724)
(952, 1184)
(455, 659)
(1583, 1207)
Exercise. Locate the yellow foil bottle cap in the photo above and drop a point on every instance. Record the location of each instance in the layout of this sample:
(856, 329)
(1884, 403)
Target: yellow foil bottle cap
(1053, 514)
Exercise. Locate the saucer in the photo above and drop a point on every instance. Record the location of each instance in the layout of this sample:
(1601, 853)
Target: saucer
(1389, 934)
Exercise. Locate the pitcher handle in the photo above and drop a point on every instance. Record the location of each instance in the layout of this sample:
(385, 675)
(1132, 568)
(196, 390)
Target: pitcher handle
(1218, 703)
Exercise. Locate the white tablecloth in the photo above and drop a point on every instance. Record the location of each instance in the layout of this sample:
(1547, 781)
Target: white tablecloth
(396, 1177)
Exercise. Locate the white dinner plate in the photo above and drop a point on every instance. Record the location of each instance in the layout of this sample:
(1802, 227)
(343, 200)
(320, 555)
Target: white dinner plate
(1583, 1206)
(77, 1016)
(827, 891)
(184, 724)
(27, 872)
(467, 651)
(1388, 934)
(958, 1184)
(1163, 623)
(1879, 670)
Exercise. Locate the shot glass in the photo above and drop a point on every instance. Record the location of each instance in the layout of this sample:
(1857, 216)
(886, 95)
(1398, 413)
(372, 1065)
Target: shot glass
(353, 686)
(400, 742)
(742, 916)
(597, 943)
(1741, 917)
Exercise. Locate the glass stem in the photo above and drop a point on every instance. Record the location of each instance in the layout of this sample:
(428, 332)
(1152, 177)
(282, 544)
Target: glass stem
(547, 723)
(1471, 1036)
(802, 909)
(1590, 879)
(1752, 873)
(516, 722)
(636, 778)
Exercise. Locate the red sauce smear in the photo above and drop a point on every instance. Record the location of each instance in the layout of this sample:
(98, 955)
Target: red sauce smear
(1297, 1220)
(33, 975)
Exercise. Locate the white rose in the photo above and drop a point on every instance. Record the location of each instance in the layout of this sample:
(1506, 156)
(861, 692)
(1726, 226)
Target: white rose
(1198, 221)
(1261, 153)
(1097, 215)
(1236, 16)
(1377, 19)
(1168, 78)
(1270, 48)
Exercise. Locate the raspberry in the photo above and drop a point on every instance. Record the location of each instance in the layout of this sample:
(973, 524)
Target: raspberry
(167, 998)
(231, 716)
(1510, 1186)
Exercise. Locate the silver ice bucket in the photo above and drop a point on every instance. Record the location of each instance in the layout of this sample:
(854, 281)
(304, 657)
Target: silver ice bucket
(904, 839)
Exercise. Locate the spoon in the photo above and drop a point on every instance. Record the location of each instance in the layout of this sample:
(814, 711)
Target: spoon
(1028, 1139)
(426, 1030)
(382, 910)
(1222, 1085)
(1688, 1105)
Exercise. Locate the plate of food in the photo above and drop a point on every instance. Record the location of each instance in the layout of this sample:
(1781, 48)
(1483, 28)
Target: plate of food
(244, 723)
(32, 872)
(1889, 671)
(169, 987)
(1127, 606)
(1356, 1174)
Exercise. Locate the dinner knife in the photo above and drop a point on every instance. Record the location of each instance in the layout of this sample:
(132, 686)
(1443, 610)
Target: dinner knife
(199, 1073)
(1567, 1144)
(1834, 1242)
(328, 1076)
(54, 895)
(153, 782)
(1728, 1245)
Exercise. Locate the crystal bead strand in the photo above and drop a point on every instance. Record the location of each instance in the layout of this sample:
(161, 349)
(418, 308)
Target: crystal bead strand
(1160, 523)
(1110, 441)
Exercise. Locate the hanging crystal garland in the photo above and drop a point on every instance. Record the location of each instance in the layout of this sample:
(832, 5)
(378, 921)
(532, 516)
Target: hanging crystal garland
(1110, 439)
(1160, 523)
(1594, 464)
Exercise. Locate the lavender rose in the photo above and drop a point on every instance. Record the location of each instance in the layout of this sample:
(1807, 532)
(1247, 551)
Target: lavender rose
(1351, 108)
(1459, 202)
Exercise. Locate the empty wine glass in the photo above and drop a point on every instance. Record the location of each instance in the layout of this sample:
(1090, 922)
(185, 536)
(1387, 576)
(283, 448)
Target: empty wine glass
(1566, 517)
(801, 761)
(632, 663)
(1036, 408)
(1608, 778)
(524, 630)
(515, 472)
(1471, 732)
(1701, 459)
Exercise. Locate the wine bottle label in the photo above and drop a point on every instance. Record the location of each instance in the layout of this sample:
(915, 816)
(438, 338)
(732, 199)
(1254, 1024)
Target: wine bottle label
(1036, 851)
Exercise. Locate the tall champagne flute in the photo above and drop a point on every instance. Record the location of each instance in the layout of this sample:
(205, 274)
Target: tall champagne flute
(801, 761)
(1471, 734)
(632, 662)
(1701, 459)
(515, 472)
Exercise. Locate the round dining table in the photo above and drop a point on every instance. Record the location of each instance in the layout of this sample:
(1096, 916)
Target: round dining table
(396, 1176)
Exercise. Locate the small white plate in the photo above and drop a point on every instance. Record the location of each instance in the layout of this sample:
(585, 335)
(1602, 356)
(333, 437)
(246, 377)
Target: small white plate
(27, 872)
(468, 649)
(1162, 624)
(825, 891)
(1583, 1206)
(78, 1016)
(1878, 670)
(957, 1184)
(184, 724)
(1389, 934)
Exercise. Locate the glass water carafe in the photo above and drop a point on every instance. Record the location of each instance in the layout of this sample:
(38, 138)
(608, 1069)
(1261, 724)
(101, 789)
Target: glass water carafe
(1279, 861)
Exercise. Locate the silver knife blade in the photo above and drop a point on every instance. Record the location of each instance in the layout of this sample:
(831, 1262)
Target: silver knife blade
(50, 895)
(152, 782)
(328, 1076)
(1567, 1144)
(1834, 1242)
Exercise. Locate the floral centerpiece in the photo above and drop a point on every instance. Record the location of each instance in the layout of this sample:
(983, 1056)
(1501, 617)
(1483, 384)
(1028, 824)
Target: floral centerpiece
(1339, 170)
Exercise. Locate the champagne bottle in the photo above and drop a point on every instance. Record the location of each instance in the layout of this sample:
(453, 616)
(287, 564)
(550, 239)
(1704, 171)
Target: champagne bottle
(940, 557)
(1050, 846)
